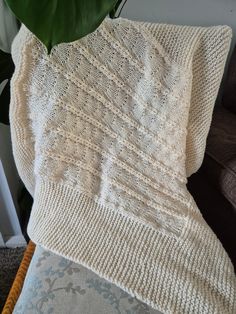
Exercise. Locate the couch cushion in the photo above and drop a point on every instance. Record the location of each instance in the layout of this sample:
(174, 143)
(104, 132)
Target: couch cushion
(220, 160)
(229, 95)
(218, 212)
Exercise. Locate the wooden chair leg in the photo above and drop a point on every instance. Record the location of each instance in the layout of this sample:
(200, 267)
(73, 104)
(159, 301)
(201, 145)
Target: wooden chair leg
(19, 280)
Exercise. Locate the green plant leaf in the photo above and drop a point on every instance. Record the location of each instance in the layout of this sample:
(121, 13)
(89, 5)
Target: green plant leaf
(5, 102)
(6, 71)
(112, 13)
(6, 66)
(57, 21)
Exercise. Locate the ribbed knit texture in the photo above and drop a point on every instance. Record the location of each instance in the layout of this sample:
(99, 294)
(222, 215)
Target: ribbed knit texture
(99, 130)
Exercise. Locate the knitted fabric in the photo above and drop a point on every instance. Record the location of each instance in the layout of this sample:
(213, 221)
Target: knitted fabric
(99, 132)
(207, 69)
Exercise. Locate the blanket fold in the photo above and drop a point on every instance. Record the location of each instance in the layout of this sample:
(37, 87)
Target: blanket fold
(104, 136)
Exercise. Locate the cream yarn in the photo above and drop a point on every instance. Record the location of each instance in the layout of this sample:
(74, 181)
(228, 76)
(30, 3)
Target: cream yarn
(99, 131)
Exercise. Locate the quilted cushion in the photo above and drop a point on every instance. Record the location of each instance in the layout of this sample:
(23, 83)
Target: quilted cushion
(54, 284)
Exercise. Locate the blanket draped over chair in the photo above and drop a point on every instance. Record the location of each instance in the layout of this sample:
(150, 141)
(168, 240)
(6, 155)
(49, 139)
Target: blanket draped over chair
(105, 131)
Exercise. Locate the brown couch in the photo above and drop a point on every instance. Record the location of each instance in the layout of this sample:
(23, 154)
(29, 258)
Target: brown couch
(214, 185)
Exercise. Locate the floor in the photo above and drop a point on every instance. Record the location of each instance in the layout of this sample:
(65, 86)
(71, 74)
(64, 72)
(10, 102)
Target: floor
(9, 263)
(10, 259)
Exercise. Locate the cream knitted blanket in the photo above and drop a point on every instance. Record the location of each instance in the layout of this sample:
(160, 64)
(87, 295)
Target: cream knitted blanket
(104, 132)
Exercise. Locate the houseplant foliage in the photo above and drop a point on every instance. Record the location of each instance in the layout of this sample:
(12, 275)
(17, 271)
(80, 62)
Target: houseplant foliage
(7, 68)
(58, 21)
(8, 29)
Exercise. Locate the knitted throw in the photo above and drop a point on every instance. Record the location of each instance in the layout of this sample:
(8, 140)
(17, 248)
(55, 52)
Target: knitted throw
(99, 131)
